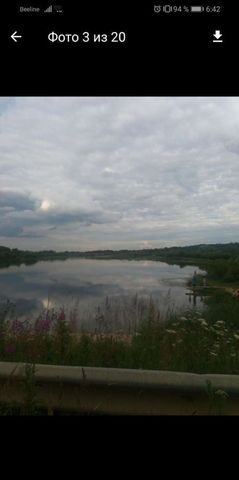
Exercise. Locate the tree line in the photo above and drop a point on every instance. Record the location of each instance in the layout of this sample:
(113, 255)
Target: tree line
(220, 260)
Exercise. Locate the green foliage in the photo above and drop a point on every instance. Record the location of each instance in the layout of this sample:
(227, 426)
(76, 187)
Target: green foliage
(29, 390)
(205, 341)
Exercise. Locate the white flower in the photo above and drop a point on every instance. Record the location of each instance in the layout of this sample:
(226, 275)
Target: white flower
(202, 321)
(170, 331)
(213, 354)
(236, 336)
(220, 334)
(222, 393)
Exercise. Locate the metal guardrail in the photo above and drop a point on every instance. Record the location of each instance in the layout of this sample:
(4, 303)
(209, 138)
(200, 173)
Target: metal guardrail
(121, 391)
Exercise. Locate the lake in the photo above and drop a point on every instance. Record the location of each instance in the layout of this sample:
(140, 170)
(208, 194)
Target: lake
(89, 287)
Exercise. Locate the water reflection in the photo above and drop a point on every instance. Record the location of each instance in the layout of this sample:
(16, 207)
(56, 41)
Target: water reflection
(86, 284)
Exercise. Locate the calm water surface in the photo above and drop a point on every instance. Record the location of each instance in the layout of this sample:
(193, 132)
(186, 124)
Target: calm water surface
(83, 285)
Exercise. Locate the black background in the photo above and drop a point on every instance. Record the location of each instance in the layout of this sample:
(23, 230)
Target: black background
(165, 54)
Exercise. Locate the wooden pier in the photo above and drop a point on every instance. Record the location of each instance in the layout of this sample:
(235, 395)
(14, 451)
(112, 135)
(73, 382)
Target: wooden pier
(203, 291)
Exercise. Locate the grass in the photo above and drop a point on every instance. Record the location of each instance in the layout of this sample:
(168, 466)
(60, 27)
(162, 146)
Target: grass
(199, 341)
(214, 281)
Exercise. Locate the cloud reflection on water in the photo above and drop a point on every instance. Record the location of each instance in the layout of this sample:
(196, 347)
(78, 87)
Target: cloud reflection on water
(89, 282)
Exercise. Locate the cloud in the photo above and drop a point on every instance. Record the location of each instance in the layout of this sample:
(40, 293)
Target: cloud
(15, 223)
(118, 172)
(16, 201)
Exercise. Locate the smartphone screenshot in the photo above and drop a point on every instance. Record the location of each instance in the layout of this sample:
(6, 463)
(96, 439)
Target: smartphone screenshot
(119, 225)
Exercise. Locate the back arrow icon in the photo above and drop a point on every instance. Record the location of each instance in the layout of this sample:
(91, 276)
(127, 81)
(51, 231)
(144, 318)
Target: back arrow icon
(14, 36)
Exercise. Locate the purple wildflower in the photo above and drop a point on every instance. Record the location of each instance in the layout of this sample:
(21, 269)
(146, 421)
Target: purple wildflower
(62, 316)
(17, 327)
(10, 348)
(43, 325)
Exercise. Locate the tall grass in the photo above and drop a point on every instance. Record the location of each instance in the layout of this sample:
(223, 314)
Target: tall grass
(200, 341)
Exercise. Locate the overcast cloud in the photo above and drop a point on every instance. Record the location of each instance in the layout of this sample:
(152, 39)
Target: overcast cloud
(128, 172)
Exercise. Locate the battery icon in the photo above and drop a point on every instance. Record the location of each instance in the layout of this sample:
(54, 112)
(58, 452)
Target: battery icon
(197, 9)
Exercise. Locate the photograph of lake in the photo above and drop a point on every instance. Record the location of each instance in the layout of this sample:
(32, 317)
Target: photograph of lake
(87, 283)
(119, 234)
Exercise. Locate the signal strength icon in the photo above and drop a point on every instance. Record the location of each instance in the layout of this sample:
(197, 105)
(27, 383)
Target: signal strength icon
(49, 9)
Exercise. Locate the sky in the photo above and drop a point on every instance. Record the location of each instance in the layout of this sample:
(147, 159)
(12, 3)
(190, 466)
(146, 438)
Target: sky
(87, 173)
